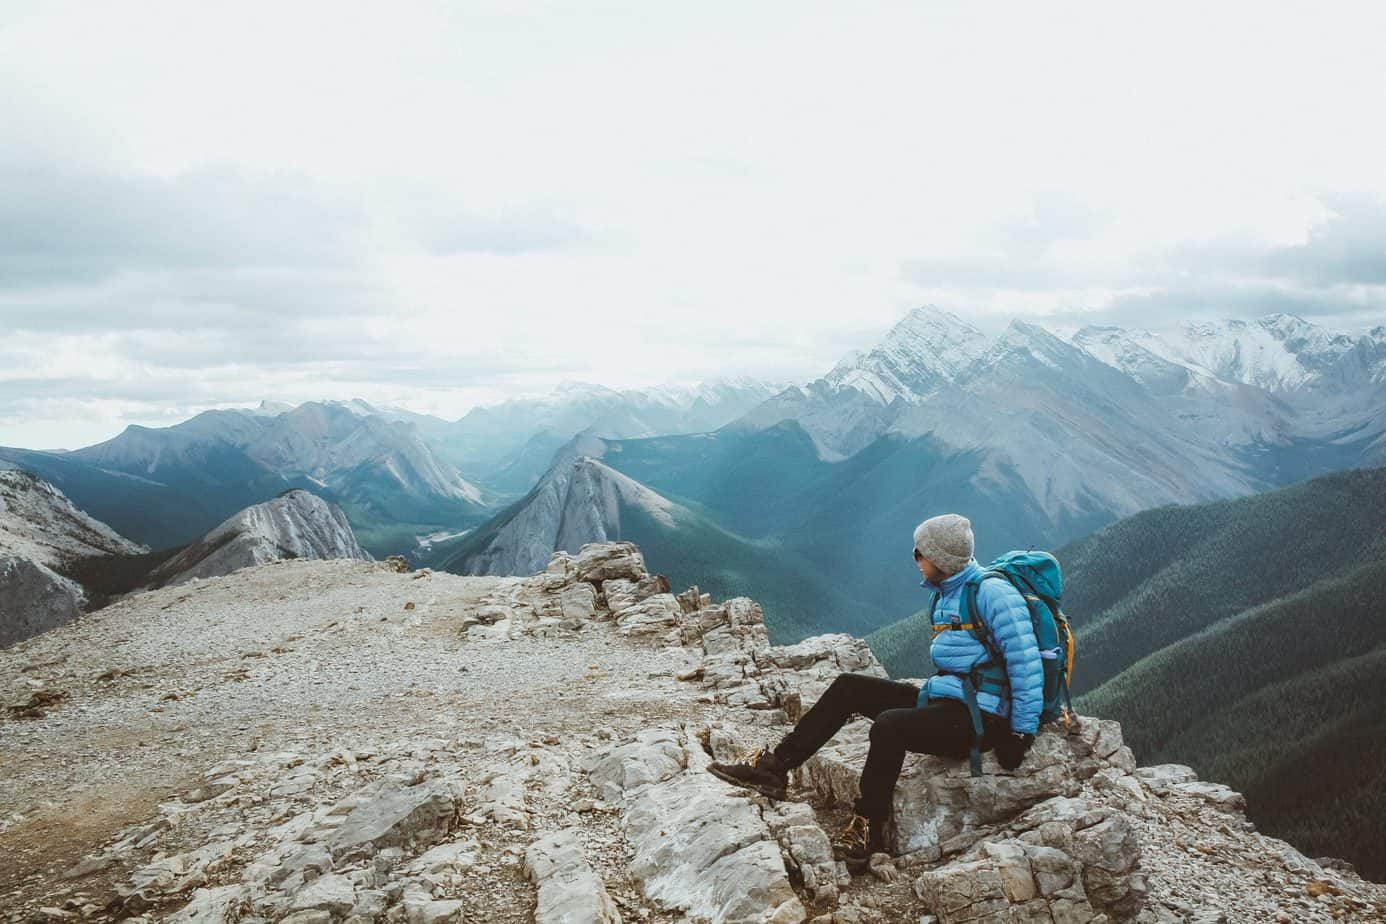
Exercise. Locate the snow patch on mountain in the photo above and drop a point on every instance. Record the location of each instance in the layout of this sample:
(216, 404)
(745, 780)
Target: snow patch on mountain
(1277, 353)
(927, 348)
(269, 408)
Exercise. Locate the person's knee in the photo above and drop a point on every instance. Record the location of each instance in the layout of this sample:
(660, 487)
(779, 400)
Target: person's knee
(888, 727)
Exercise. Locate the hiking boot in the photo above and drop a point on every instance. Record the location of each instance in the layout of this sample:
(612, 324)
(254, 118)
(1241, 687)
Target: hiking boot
(858, 840)
(759, 770)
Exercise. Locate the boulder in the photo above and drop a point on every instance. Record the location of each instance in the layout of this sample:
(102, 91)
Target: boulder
(1220, 797)
(569, 891)
(221, 905)
(312, 860)
(578, 602)
(939, 807)
(394, 816)
(1064, 860)
(1161, 776)
(657, 615)
(691, 600)
(621, 592)
(421, 909)
(601, 561)
(805, 847)
(655, 754)
(700, 845)
(332, 893)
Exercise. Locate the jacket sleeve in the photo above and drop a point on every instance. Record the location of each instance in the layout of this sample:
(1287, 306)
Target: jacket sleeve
(1005, 611)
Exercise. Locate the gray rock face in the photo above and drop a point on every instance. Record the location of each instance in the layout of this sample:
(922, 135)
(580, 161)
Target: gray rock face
(701, 846)
(569, 891)
(939, 807)
(659, 615)
(221, 905)
(40, 522)
(1162, 776)
(1065, 860)
(34, 598)
(297, 524)
(395, 817)
(622, 592)
(332, 893)
(1080, 866)
(577, 502)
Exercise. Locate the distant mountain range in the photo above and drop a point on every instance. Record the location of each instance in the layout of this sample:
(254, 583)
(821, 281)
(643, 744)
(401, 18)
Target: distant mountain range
(394, 472)
(510, 445)
(1039, 439)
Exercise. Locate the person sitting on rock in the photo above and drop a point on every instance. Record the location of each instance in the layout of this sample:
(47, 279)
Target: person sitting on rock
(934, 719)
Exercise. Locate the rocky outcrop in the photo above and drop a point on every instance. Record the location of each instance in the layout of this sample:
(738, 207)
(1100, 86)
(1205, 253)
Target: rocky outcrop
(39, 522)
(34, 598)
(42, 530)
(296, 524)
(1064, 860)
(941, 809)
(569, 891)
(701, 846)
(534, 759)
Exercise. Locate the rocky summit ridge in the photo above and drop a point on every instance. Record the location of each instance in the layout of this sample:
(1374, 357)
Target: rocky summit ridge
(41, 531)
(349, 741)
(296, 524)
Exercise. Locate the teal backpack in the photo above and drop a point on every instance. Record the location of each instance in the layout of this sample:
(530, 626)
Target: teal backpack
(1038, 578)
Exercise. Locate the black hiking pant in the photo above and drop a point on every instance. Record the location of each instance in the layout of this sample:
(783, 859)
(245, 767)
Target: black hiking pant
(942, 726)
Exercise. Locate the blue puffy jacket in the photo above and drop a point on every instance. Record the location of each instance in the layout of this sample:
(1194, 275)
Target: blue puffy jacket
(1004, 610)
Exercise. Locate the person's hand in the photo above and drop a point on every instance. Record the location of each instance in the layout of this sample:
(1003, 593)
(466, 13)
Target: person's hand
(1012, 748)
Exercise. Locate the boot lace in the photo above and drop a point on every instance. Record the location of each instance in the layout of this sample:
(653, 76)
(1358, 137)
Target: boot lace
(855, 833)
(751, 756)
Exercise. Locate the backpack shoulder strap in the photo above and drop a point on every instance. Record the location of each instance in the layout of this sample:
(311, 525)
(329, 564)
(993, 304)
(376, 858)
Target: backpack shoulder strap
(981, 629)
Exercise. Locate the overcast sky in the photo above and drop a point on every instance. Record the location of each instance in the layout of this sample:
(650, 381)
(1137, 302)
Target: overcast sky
(439, 205)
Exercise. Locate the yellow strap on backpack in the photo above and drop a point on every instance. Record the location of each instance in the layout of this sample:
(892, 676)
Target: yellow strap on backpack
(1071, 646)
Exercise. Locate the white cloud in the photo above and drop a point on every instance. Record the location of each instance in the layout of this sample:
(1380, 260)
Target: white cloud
(451, 201)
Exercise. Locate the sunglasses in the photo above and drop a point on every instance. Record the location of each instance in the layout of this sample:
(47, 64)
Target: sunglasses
(917, 556)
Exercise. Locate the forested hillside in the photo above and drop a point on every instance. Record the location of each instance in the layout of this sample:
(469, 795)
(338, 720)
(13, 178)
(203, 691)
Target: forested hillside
(1246, 638)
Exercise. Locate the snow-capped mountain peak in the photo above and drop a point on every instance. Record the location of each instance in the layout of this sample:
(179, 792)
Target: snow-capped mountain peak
(270, 408)
(927, 348)
(357, 406)
(1141, 355)
(1027, 341)
(1277, 353)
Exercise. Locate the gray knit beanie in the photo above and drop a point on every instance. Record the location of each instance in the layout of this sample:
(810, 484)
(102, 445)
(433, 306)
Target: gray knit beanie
(946, 541)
